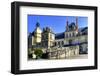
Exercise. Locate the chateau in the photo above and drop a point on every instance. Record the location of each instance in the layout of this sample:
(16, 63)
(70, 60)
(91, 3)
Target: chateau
(72, 41)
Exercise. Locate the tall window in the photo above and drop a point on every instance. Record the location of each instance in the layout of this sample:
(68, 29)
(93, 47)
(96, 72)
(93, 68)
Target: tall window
(73, 34)
(70, 41)
(50, 36)
(59, 43)
(55, 44)
(62, 43)
(70, 35)
(66, 35)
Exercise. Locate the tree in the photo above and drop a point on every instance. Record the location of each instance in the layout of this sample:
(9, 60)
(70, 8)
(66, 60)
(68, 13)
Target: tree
(38, 53)
(29, 53)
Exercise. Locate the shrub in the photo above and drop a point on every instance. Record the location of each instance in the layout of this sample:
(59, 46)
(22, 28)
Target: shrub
(38, 53)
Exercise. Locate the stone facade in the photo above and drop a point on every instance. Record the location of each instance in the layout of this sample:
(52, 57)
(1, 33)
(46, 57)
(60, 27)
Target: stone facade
(72, 40)
(48, 38)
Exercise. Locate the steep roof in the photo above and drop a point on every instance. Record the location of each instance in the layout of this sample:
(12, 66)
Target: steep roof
(59, 35)
(32, 33)
(47, 29)
(75, 44)
(71, 27)
(29, 35)
(83, 30)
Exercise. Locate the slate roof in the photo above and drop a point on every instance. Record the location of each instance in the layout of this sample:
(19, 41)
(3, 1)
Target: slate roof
(71, 26)
(75, 44)
(33, 33)
(59, 35)
(29, 35)
(47, 29)
(82, 31)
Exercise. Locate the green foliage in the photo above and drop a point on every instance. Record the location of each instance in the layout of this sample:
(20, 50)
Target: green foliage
(38, 53)
(29, 51)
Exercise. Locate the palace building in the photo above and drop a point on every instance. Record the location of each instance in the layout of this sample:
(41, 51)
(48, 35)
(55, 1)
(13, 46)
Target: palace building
(71, 36)
(48, 38)
(35, 37)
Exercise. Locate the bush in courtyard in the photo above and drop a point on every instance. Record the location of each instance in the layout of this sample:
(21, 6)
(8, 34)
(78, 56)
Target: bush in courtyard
(29, 53)
(38, 53)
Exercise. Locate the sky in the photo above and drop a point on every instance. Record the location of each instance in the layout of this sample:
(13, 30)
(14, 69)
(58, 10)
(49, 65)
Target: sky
(56, 23)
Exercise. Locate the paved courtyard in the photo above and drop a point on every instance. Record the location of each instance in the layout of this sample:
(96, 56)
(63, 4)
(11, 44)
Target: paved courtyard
(82, 56)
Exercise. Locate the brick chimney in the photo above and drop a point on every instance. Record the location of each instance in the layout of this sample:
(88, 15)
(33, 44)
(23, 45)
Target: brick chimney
(67, 25)
(76, 23)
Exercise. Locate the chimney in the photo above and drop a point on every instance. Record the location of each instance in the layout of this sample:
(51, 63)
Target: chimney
(67, 25)
(76, 23)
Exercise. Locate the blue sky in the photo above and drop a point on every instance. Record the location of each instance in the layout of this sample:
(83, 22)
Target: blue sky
(57, 23)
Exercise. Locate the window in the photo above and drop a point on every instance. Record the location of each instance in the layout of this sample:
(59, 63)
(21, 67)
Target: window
(70, 35)
(70, 41)
(62, 43)
(58, 43)
(50, 36)
(55, 44)
(66, 35)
